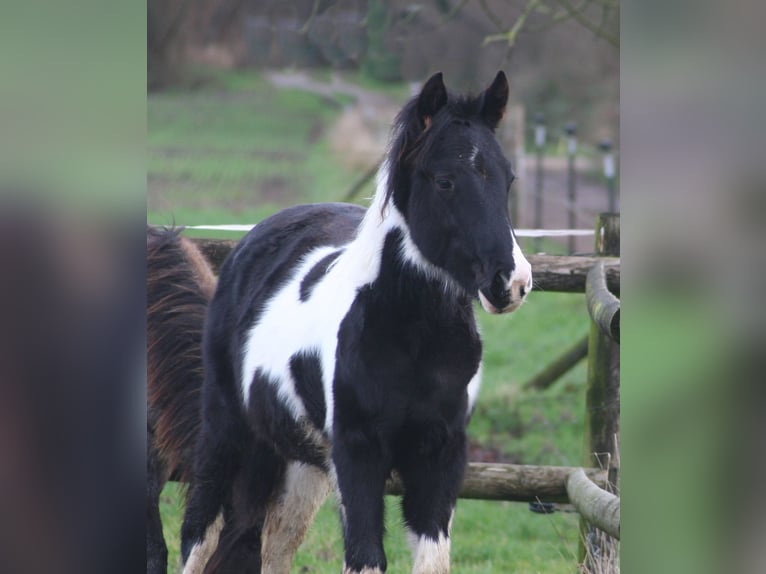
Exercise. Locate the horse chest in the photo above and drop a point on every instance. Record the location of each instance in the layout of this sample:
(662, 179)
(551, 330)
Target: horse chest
(399, 367)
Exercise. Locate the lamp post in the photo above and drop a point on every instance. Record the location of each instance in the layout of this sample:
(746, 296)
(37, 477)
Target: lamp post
(609, 173)
(540, 146)
(571, 131)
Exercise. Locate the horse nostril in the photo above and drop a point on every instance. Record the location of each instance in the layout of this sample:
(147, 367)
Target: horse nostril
(499, 286)
(522, 291)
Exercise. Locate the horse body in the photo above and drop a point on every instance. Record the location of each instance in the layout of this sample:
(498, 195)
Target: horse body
(341, 345)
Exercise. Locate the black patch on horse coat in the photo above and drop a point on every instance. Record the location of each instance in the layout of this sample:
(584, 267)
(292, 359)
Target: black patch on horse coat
(315, 275)
(272, 421)
(306, 369)
(409, 352)
(404, 339)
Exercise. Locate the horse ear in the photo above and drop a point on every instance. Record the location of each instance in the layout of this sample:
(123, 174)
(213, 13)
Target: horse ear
(494, 99)
(432, 98)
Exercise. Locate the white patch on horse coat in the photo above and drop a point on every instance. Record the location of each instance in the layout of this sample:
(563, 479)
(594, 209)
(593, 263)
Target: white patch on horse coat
(201, 552)
(273, 340)
(289, 517)
(473, 388)
(431, 556)
(288, 325)
(412, 540)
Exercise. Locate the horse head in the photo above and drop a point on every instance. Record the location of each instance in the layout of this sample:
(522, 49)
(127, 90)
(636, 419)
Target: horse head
(450, 180)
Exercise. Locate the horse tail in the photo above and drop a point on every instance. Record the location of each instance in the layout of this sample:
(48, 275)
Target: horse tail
(180, 284)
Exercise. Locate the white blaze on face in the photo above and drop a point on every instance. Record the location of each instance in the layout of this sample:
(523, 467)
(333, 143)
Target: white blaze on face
(474, 153)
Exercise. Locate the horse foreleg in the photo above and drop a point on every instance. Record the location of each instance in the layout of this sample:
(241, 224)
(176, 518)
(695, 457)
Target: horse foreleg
(361, 470)
(431, 484)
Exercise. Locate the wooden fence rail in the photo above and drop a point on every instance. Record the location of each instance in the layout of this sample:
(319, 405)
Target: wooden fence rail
(566, 274)
(515, 482)
(599, 507)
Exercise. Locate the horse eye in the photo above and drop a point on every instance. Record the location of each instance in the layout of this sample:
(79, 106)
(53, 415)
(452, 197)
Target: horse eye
(444, 184)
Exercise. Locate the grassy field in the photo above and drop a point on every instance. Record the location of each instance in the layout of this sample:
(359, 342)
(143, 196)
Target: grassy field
(236, 150)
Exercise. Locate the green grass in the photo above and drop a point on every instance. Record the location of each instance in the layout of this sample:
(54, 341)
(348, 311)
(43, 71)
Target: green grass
(532, 427)
(237, 150)
(487, 537)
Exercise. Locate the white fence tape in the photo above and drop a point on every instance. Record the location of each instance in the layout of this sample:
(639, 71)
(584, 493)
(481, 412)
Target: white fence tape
(519, 232)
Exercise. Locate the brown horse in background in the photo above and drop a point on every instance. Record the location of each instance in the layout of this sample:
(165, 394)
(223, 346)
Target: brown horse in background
(180, 284)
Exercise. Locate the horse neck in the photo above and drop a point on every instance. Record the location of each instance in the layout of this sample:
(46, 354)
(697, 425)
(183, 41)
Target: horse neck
(365, 259)
(362, 258)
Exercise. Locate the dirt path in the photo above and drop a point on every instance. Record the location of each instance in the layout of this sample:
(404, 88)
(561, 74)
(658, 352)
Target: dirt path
(336, 86)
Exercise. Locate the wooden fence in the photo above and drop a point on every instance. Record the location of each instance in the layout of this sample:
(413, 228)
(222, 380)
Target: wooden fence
(587, 487)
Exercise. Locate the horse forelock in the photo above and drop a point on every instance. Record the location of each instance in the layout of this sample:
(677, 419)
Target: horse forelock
(410, 147)
(411, 144)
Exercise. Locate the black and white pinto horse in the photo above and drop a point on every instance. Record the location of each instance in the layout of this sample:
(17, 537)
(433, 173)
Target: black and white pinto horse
(341, 345)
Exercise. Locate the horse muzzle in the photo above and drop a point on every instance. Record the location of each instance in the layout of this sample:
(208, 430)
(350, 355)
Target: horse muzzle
(505, 294)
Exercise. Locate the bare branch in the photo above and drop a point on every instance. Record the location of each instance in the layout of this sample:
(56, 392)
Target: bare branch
(510, 35)
(491, 15)
(556, 18)
(606, 10)
(314, 9)
(455, 10)
(577, 15)
(567, 10)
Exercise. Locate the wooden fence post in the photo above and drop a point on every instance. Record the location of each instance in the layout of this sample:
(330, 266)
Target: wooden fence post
(602, 402)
